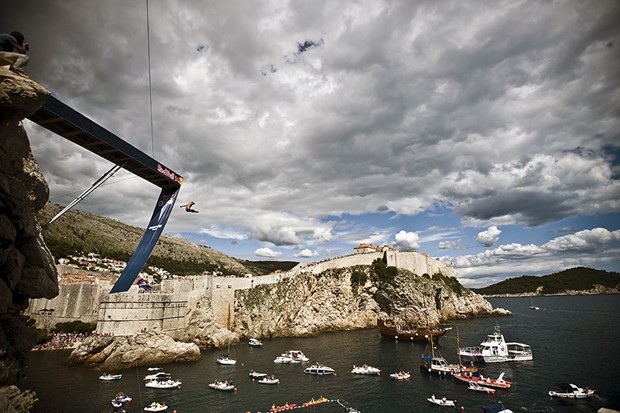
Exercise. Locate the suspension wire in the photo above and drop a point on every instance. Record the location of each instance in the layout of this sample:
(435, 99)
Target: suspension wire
(148, 48)
(106, 184)
(84, 194)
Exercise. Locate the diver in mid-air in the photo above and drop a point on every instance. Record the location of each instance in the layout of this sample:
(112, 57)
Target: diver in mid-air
(188, 207)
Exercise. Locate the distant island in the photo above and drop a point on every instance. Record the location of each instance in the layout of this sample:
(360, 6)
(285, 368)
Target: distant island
(573, 281)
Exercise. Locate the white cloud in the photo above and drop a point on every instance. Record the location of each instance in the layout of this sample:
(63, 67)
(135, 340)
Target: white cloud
(407, 240)
(488, 237)
(449, 245)
(306, 253)
(267, 252)
(596, 247)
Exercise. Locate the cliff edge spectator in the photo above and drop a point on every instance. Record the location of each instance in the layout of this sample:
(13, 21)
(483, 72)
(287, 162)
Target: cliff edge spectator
(13, 49)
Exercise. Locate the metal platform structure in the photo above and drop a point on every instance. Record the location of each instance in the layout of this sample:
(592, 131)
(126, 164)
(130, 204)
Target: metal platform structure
(68, 123)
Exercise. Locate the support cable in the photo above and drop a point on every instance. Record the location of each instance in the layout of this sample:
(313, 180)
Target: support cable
(84, 194)
(148, 48)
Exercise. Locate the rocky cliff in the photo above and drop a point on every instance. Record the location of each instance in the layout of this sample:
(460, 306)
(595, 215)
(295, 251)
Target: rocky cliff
(26, 266)
(311, 304)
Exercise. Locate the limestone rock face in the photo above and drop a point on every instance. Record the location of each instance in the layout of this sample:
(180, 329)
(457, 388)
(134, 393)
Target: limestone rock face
(310, 304)
(145, 349)
(203, 330)
(27, 268)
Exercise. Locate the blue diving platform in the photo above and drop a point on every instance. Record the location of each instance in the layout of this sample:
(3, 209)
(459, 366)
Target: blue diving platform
(68, 123)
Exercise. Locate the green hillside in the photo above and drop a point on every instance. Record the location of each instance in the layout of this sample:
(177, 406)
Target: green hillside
(79, 233)
(578, 279)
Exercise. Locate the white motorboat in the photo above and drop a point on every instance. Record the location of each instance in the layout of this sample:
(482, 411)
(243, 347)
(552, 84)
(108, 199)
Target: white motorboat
(269, 380)
(223, 386)
(157, 376)
(282, 360)
(254, 342)
(496, 350)
(366, 369)
(110, 377)
(477, 387)
(571, 391)
(401, 375)
(163, 384)
(296, 356)
(154, 369)
(225, 360)
(442, 402)
(257, 375)
(320, 370)
(156, 407)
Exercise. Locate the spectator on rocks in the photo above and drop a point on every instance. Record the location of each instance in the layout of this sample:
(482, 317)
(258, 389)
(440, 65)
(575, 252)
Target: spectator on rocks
(13, 49)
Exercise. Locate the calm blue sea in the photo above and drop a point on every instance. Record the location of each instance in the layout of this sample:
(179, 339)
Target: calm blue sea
(574, 339)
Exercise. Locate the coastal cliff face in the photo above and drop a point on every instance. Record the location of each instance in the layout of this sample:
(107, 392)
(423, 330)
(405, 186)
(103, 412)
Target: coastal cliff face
(27, 268)
(311, 304)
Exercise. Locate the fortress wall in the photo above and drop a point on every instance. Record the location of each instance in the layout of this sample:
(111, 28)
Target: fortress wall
(76, 301)
(129, 313)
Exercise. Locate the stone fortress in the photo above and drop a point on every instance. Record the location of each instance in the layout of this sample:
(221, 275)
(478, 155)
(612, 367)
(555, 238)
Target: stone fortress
(166, 307)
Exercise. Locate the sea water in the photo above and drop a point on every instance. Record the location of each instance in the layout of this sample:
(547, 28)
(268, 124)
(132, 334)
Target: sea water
(573, 339)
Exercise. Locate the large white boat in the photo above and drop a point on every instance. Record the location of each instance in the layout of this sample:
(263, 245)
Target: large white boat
(496, 350)
(157, 376)
(320, 370)
(163, 384)
(296, 356)
(366, 369)
(571, 391)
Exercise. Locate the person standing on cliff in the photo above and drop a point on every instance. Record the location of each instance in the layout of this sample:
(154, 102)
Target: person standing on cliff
(13, 47)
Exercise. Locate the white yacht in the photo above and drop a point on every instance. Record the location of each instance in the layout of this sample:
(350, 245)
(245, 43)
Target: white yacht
(224, 359)
(254, 342)
(319, 369)
(366, 369)
(496, 350)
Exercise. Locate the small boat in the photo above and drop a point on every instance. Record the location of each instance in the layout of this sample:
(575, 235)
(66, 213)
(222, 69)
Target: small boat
(401, 375)
(269, 380)
(156, 407)
(532, 306)
(477, 387)
(121, 397)
(499, 383)
(282, 408)
(313, 402)
(116, 404)
(495, 350)
(163, 384)
(254, 342)
(366, 369)
(153, 369)
(320, 370)
(257, 375)
(225, 360)
(571, 391)
(109, 377)
(222, 385)
(157, 376)
(442, 402)
(496, 408)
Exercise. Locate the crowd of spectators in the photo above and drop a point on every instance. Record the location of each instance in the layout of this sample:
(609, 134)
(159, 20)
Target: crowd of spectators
(64, 341)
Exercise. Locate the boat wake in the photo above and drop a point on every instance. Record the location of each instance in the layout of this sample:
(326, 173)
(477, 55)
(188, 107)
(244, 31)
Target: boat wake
(348, 408)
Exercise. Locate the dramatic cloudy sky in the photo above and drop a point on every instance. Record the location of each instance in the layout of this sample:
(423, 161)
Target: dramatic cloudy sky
(483, 133)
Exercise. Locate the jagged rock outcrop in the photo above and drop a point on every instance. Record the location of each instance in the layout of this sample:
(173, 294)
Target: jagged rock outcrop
(26, 266)
(311, 304)
(145, 349)
(203, 330)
